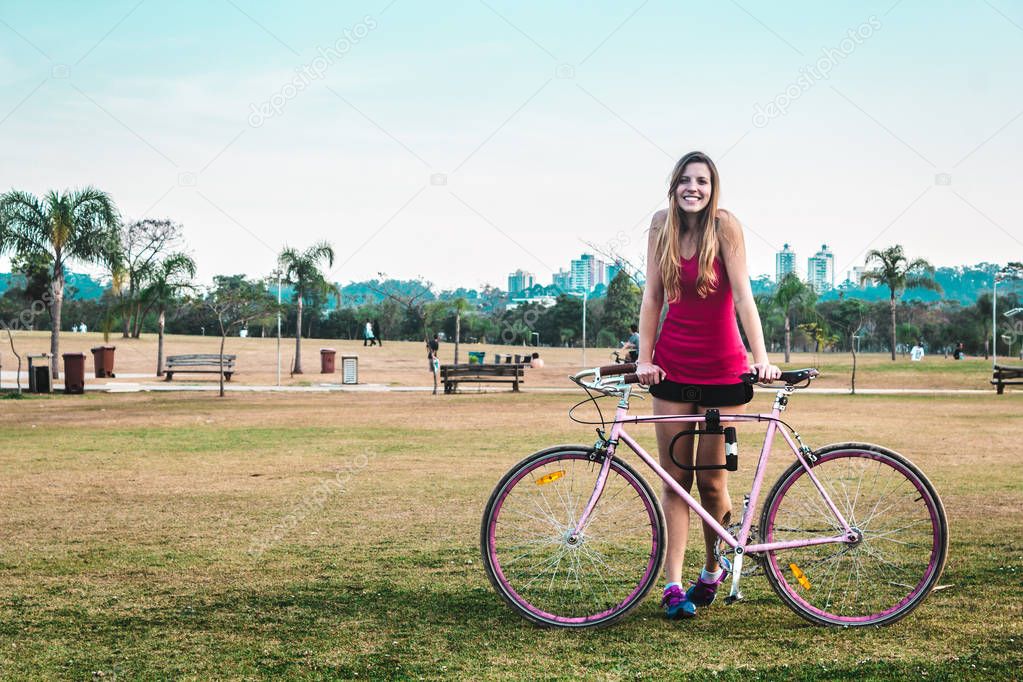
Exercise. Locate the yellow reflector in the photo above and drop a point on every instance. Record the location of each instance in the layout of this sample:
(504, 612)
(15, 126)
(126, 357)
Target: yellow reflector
(800, 576)
(550, 478)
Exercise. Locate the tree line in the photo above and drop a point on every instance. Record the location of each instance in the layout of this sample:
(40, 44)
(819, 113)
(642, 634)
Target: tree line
(152, 290)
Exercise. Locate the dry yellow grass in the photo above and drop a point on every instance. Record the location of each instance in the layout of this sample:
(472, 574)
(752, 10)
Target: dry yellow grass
(129, 520)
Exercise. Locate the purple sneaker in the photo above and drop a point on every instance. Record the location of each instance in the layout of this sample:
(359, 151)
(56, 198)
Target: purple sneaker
(675, 604)
(701, 593)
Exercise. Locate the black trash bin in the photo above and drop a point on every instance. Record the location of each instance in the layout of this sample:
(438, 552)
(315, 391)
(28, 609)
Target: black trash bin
(74, 373)
(39, 373)
(39, 379)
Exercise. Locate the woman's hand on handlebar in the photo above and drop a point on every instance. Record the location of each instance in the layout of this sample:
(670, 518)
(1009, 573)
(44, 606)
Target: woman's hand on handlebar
(765, 371)
(649, 373)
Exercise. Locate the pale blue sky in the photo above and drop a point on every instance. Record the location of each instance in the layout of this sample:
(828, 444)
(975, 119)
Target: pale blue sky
(549, 123)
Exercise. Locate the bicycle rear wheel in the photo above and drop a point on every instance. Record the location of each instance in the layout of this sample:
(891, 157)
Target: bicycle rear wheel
(889, 570)
(551, 578)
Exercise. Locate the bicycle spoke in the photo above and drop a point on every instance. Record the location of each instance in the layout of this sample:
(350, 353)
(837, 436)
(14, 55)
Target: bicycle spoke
(547, 567)
(871, 578)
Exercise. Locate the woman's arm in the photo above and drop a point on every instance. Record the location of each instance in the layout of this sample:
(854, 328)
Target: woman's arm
(733, 252)
(650, 311)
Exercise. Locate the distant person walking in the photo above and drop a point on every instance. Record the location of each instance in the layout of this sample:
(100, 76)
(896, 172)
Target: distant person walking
(368, 337)
(432, 356)
(377, 334)
(916, 354)
(960, 352)
(433, 350)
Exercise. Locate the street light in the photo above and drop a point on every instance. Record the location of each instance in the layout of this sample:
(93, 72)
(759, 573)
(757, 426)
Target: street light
(585, 294)
(278, 274)
(1002, 275)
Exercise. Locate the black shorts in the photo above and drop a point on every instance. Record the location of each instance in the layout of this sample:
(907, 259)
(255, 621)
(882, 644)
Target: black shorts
(719, 395)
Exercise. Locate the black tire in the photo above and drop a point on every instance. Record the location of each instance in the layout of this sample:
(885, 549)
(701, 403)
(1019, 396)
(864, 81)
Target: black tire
(580, 455)
(927, 519)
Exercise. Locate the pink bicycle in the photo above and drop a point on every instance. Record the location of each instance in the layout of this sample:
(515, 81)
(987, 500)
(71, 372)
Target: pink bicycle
(851, 534)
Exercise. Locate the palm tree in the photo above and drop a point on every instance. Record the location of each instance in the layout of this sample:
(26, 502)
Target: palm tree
(459, 305)
(69, 225)
(898, 273)
(793, 296)
(302, 272)
(169, 279)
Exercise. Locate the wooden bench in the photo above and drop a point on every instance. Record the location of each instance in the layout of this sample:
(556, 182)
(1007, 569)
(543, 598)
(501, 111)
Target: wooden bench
(1005, 375)
(199, 363)
(452, 375)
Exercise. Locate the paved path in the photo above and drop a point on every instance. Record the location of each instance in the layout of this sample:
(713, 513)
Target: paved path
(94, 385)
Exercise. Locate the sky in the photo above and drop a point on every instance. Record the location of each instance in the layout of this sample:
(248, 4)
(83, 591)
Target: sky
(461, 141)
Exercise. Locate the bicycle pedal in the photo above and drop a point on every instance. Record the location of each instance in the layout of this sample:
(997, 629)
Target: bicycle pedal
(731, 600)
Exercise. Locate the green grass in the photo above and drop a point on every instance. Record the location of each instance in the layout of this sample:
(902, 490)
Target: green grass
(128, 520)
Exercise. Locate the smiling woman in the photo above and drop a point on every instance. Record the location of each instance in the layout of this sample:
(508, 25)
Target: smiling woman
(697, 263)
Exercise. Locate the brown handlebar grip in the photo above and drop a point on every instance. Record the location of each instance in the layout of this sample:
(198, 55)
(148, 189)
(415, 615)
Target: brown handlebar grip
(611, 370)
(631, 379)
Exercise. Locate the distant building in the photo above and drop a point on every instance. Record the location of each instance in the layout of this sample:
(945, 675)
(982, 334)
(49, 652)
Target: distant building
(612, 270)
(820, 270)
(784, 263)
(520, 280)
(563, 280)
(581, 272)
(587, 272)
(854, 277)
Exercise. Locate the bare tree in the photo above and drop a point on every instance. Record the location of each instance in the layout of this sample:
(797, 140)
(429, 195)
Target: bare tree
(10, 338)
(627, 266)
(144, 244)
(414, 303)
(236, 301)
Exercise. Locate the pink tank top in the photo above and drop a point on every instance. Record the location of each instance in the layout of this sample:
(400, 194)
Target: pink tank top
(699, 341)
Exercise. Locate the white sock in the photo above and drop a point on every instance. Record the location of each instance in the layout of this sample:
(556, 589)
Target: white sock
(670, 585)
(708, 577)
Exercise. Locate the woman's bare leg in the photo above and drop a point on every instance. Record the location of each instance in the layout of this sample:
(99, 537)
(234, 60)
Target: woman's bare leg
(676, 511)
(713, 487)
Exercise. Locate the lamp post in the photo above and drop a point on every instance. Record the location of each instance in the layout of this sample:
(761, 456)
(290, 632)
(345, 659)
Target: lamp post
(585, 295)
(994, 320)
(278, 273)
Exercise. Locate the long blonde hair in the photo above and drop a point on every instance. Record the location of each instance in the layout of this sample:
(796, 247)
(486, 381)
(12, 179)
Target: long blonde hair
(669, 237)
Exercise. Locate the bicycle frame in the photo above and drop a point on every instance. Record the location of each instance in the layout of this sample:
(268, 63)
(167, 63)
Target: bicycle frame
(737, 542)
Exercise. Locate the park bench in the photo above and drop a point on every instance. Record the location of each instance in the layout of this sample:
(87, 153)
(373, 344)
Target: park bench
(198, 363)
(452, 375)
(1007, 376)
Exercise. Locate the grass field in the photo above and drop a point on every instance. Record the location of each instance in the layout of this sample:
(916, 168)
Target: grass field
(399, 363)
(180, 535)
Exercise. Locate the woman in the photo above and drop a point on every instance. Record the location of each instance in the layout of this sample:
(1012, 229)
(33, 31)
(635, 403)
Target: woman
(696, 260)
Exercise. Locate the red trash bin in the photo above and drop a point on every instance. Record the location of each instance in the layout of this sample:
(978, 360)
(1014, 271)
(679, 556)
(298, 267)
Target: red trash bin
(328, 357)
(103, 360)
(74, 373)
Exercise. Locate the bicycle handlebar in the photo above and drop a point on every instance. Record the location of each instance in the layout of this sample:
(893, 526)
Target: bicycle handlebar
(611, 370)
(626, 374)
(790, 378)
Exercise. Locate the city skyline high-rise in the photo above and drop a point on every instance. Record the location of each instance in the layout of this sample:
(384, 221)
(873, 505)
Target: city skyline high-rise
(520, 280)
(784, 262)
(820, 270)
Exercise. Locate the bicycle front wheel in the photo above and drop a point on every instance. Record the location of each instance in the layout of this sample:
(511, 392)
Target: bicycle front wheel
(902, 537)
(551, 576)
